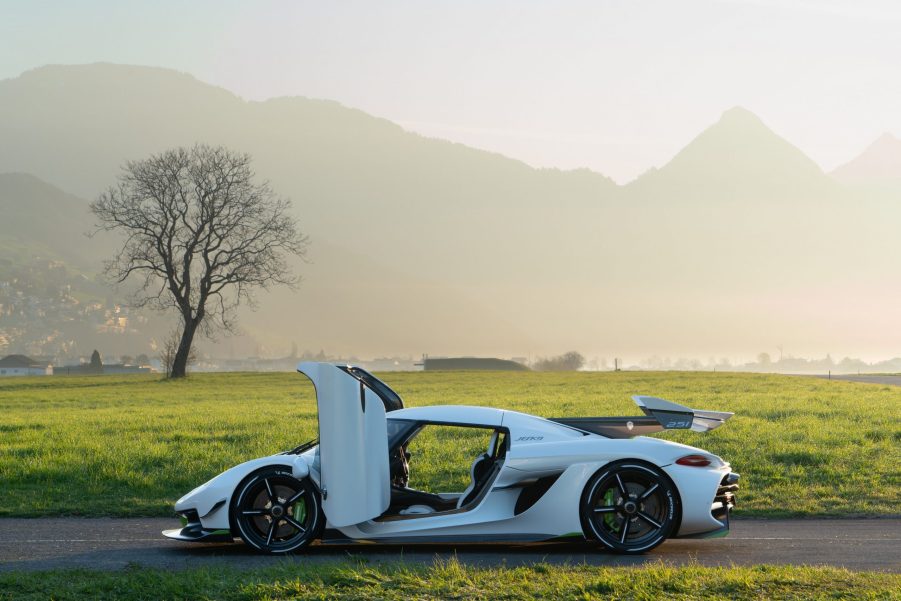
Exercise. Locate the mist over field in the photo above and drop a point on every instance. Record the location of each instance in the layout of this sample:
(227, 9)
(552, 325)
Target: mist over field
(738, 243)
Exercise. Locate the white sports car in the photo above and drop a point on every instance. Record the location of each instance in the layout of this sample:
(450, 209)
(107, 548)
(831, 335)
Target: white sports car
(537, 480)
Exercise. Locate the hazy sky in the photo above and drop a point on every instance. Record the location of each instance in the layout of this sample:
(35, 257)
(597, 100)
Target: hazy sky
(614, 86)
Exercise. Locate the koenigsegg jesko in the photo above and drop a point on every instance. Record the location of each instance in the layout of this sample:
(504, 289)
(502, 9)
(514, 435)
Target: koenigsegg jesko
(538, 479)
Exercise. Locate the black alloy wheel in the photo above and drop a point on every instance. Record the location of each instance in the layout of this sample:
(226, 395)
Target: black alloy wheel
(629, 506)
(274, 512)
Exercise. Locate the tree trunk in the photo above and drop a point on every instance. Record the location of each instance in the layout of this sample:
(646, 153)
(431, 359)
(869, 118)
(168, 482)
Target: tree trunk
(180, 363)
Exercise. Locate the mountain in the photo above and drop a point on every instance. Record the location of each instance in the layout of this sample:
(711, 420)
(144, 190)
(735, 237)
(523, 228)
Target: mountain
(40, 218)
(422, 245)
(737, 158)
(356, 180)
(75, 125)
(426, 209)
(52, 299)
(879, 163)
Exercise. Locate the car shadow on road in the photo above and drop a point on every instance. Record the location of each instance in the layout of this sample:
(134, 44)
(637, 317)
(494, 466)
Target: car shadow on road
(492, 554)
(175, 556)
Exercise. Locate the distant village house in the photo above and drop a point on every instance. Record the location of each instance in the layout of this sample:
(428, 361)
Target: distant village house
(20, 365)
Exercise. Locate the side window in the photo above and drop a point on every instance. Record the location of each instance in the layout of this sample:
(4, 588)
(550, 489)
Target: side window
(441, 456)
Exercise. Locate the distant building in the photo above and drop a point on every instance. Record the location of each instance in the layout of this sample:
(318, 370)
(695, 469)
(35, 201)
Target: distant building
(471, 363)
(388, 364)
(20, 365)
(119, 368)
(108, 369)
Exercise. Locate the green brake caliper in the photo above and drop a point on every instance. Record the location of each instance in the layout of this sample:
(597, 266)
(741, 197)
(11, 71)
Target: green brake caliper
(299, 511)
(609, 518)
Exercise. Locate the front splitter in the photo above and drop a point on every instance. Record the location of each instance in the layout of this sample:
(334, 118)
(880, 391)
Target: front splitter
(194, 534)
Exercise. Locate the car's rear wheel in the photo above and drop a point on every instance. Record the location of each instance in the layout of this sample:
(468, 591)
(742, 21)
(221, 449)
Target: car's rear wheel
(274, 512)
(629, 507)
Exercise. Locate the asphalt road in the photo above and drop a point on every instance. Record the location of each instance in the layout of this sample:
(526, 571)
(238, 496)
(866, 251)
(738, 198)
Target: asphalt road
(111, 544)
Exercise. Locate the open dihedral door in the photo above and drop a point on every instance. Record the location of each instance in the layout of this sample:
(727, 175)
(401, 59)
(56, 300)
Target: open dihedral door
(353, 446)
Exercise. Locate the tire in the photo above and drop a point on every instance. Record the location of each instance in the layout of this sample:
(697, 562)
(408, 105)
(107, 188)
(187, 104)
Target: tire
(629, 507)
(274, 512)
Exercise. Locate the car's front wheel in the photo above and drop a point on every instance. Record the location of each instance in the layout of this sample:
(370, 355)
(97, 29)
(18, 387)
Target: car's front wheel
(629, 506)
(274, 512)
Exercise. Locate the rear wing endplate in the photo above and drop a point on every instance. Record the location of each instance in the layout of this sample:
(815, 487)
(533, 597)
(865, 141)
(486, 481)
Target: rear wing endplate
(659, 415)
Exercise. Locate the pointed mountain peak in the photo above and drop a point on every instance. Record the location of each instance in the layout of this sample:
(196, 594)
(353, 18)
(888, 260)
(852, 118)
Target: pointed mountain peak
(738, 156)
(880, 162)
(739, 123)
(886, 139)
(737, 129)
(739, 114)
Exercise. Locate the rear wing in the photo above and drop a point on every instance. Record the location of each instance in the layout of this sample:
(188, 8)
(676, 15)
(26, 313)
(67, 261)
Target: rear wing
(659, 415)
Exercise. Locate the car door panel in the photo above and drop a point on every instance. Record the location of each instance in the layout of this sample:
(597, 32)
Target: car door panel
(353, 446)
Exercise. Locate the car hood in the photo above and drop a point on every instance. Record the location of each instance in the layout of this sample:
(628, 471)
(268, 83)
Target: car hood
(219, 489)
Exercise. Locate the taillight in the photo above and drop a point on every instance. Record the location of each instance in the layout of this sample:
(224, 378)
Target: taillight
(694, 461)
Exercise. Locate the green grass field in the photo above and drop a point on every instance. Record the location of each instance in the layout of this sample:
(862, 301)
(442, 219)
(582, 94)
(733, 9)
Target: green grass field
(451, 580)
(131, 445)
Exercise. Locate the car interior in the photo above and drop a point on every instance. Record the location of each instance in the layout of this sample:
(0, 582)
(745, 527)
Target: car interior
(409, 502)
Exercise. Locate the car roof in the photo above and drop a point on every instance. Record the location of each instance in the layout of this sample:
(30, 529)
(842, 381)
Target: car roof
(452, 414)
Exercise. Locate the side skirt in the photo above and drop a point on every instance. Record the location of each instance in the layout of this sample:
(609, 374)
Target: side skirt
(335, 537)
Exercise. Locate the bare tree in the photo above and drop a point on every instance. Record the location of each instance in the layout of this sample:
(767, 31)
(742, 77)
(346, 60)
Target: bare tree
(200, 234)
(169, 350)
